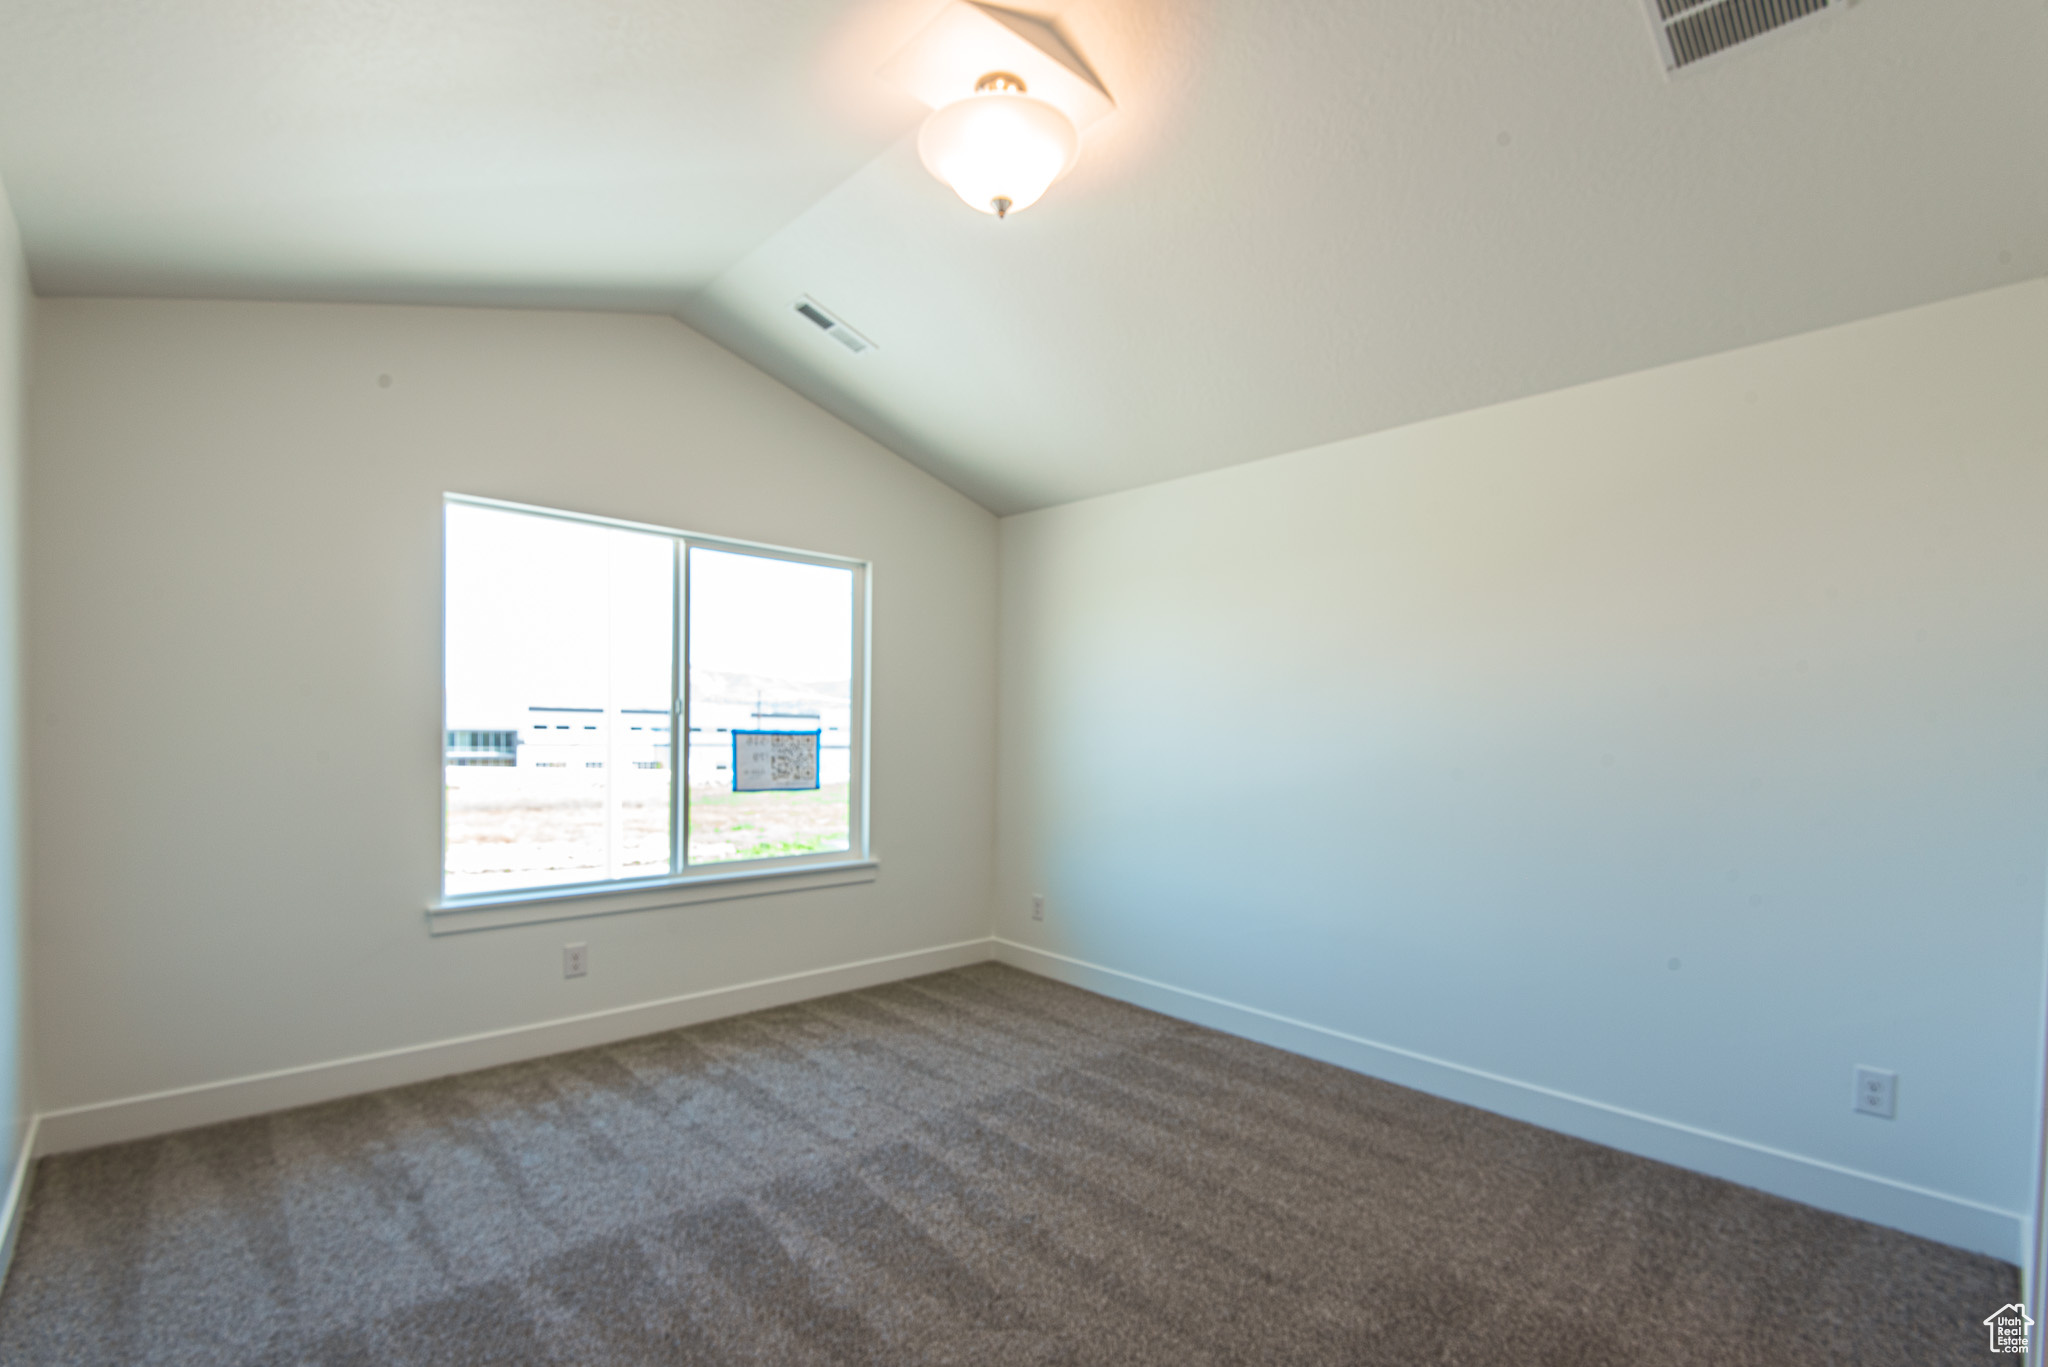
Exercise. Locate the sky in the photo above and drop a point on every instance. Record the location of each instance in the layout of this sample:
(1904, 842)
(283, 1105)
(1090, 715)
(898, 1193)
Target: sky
(548, 612)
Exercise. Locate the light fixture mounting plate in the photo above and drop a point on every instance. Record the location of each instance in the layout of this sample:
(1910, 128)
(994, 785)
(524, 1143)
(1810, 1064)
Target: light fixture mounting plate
(969, 40)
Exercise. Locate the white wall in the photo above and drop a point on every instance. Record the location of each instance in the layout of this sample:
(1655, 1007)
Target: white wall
(234, 672)
(16, 304)
(1439, 746)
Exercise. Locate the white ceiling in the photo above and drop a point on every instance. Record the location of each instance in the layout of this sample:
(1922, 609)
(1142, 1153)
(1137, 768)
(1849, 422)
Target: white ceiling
(1307, 220)
(616, 153)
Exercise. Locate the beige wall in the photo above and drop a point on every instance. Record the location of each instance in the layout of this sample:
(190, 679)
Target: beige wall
(1428, 752)
(234, 636)
(16, 305)
(1433, 751)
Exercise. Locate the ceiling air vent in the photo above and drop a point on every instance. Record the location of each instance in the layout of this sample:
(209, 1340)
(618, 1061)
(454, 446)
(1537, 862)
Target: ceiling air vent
(1693, 30)
(829, 324)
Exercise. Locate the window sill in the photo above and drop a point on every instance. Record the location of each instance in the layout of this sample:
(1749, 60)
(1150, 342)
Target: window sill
(524, 906)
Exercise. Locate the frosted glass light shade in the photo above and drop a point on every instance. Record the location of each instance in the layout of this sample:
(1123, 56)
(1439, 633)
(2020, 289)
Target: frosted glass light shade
(999, 149)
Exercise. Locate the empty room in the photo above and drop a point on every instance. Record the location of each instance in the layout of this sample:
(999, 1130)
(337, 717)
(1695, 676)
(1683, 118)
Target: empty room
(1353, 682)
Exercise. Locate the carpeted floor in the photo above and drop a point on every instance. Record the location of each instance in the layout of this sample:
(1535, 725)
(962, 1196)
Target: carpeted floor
(979, 1167)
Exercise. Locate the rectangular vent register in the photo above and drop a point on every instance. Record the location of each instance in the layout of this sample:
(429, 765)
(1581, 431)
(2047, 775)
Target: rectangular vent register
(1693, 30)
(822, 318)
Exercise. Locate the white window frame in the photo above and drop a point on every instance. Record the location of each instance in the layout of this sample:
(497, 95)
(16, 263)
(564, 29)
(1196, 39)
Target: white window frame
(685, 882)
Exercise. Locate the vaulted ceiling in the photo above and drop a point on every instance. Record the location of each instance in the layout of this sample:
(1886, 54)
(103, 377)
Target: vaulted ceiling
(1308, 219)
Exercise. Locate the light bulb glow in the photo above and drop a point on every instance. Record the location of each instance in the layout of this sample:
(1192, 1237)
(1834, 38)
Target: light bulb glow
(999, 149)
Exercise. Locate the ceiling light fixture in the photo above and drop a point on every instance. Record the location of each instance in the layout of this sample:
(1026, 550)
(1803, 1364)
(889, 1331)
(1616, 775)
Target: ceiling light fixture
(999, 148)
(1011, 96)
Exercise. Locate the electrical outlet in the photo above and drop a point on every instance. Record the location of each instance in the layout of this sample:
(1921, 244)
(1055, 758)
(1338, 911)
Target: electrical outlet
(575, 960)
(1877, 1092)
(1038, 906)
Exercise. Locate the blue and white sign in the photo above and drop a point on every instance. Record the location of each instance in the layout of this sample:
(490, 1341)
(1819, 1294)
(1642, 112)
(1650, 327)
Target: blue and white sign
(774, 761)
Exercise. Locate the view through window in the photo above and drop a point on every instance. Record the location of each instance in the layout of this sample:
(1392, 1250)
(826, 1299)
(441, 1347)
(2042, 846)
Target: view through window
(770, 650)
(565, 638)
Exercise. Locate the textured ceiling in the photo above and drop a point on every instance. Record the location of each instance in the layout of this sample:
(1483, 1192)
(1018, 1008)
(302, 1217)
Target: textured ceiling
(1307, 220)
(613, 153)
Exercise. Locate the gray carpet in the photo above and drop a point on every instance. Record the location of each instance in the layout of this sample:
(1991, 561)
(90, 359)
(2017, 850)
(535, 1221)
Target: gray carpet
(977, 1167)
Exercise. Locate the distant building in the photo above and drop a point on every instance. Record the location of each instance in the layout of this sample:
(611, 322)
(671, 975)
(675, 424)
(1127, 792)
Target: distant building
(498, 749)
(582, 739)
(568, 738)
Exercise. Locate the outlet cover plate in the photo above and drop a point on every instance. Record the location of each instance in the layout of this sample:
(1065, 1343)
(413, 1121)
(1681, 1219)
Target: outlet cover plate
(1877, 1092)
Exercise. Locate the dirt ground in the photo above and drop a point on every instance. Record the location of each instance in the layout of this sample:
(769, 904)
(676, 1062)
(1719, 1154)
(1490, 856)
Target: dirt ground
(512, 828)
(725, 825)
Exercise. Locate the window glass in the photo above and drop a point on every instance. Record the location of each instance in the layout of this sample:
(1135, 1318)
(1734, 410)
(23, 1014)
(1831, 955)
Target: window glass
(559, 669)
(770, 706)
(566, 640)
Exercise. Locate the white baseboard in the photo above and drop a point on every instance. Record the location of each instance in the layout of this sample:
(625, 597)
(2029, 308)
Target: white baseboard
(1865, 1196)
(16, 1205)
(138, 1117)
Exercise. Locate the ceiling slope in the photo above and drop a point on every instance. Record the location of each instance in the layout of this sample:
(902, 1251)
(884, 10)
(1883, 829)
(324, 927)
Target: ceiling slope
(1311, 221)
(605, 153)
(1307, 219)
